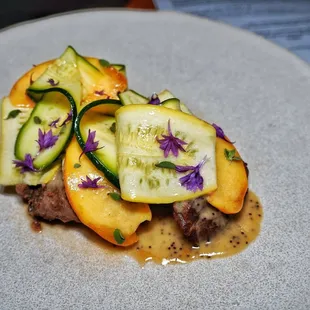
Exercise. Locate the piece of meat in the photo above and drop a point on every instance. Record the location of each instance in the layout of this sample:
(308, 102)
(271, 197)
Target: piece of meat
(48, 201)
(198, 220)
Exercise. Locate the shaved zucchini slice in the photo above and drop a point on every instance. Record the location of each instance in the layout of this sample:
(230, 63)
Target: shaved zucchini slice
(99, 116)
(132, 97)
(138, 152)
(166, 94)
(9, 174)
(62, 76)
(172, 103)
(53, 107)
(58, 92)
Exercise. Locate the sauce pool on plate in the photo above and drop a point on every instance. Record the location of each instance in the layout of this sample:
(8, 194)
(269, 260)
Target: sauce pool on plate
(162, 242)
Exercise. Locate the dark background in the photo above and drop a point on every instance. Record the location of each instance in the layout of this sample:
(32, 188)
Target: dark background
(13, 11)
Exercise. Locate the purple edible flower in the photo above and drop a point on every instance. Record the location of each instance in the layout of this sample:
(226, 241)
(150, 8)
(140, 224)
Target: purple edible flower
(220, 133)
(99, 92)
(52, 82)
(89, 183)
(68, 119)
(171, 143)
(54, 123)
(26, 165)
(192, 181)
(46, 139)
(90, 145)
(154, 99)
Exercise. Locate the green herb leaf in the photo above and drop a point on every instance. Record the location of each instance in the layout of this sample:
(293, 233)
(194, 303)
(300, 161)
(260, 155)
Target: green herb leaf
(77, 165)
(113, 127)
(230, 155)
(119, 238)
(115, 196)
(104, 63)
(37, 120)
(13, 114)
(166, 164)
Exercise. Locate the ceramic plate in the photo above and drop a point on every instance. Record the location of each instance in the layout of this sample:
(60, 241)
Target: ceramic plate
(258, 90)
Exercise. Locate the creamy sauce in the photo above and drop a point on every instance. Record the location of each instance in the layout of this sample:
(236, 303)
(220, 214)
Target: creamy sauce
(162, 242)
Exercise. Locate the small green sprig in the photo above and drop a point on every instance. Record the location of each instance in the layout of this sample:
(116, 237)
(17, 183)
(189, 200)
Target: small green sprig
(230, 155)
(13, 114)
(115, 196)
(118, 236)
(113, 127)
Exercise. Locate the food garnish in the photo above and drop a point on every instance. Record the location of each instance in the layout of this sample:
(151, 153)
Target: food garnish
(230, 155)
(170, 143)
(54, 123)
(37, 120)
(46, 139)
(154, 99)
(99, 92)
(52, 82)
(89, 183)
(113, 127)
(104, 63)
(91, 145)
(192, 181)
(26, 165)
(220, 133)
(115, 196)
(68, 118)
(119, 238)
(13, 114)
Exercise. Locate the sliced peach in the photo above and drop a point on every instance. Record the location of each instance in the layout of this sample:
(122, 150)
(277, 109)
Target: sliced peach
(111, 83)
(232, 181)
(18, 95)
(94, 206)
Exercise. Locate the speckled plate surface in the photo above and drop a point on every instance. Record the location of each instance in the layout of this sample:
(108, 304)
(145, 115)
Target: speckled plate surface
(259, 91)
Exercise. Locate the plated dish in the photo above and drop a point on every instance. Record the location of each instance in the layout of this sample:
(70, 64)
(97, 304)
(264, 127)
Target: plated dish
(81, 147)
(255, 90)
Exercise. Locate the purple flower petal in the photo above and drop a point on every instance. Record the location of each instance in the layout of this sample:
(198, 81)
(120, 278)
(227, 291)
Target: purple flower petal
(99, 92)
(26, 165)
(52, 82)
(171, 143)
(192, 181)
(184, 168)
(90, 145)
(89, 183)
(154, 99)
(53, 124)
(46, 140)
(220, 133)
(68, 119)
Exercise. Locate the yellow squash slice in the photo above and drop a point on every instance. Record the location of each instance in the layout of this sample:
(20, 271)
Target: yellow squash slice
(232, 181)
(94, 206)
